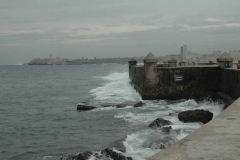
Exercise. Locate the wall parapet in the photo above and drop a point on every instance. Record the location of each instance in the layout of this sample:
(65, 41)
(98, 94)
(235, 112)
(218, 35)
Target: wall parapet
(165, 82)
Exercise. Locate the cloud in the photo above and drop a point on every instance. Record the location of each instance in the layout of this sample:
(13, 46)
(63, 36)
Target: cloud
(79, 26)
(223, 20)
(205, 27)
(79, 29)
(8, 32)
(12, 45)
(214, 20)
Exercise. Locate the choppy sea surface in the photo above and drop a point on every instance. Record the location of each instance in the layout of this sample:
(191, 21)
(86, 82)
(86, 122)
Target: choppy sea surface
(39, 121)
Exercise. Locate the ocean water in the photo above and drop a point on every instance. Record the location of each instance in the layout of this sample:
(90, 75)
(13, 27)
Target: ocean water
(39, 121)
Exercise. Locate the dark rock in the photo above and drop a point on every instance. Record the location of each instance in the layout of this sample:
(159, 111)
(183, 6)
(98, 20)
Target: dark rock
(162, 146)
(108, 104)
(84, 156)
(139, 104)
(226, 98)
(133, 103)
(104, 153)
(69, 157)
(195, 116)
(121, 105)
(130, 103)
(83, 107)
(166, 130)
(118, 145)
(159, 122)
(86, 105)
(114, 155)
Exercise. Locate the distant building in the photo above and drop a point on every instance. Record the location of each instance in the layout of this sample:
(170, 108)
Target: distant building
(235, 54)
(218, 52)
(185, 51)
(181, 50)
(176, 57)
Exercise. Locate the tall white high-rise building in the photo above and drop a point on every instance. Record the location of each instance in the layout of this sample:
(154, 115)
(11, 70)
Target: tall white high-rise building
(185, 52)
(181, 50)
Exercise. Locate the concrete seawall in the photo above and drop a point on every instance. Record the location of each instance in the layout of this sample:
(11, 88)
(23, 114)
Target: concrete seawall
(163, 81)
(195, 81)
(217, 140)
(230, 82)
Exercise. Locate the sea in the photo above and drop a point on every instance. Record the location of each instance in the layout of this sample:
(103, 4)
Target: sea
(39, 120)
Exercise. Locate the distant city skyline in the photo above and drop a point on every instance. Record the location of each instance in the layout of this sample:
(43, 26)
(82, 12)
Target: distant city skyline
(127, 28)
(191, 57)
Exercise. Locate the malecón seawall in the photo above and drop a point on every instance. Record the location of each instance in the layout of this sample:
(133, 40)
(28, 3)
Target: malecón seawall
(218, 139)
(167, 81)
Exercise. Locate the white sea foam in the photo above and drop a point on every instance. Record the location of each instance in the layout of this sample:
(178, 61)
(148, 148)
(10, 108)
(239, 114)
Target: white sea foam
(146, 142)
(117, 89)
(137, 118)
(135, 143)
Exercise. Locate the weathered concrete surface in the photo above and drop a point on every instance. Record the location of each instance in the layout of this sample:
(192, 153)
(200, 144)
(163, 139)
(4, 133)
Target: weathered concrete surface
(217, 140)
(137, 77)
(184, 82)
(150, 74)
(230, 82)
(197, 81)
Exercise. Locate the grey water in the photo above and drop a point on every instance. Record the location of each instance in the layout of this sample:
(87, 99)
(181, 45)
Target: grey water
(39, 121)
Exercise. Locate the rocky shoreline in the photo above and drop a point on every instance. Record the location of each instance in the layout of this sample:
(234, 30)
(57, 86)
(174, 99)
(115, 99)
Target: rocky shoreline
(117, 149)
(86, 106)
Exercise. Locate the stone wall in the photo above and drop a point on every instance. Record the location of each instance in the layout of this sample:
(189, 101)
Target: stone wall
(185, 82)
(154, 82)
(137, 77)
(230, 82)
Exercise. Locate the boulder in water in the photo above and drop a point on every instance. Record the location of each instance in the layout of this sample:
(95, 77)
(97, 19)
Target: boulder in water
(108, 104)
(84, 156)
(195, 116)
(83, 107)
(104, 153)
(69, 157)
(159, 122)
(81, 156)
(121, 105)
(114, 155)
(166, 130)
(133, 103)
(139, 104)
(118, 145)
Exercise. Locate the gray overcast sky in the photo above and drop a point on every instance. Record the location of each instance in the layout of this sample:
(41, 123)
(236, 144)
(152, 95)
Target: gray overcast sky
(107, 28)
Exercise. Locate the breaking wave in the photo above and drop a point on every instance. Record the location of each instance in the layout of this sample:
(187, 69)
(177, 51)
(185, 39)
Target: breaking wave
(116, 89)
(146, 142)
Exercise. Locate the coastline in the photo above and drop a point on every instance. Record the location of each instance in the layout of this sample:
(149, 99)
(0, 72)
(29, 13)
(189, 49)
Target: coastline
(218, 139)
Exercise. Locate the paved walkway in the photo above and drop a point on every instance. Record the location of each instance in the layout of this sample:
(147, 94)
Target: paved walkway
(217, 140)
